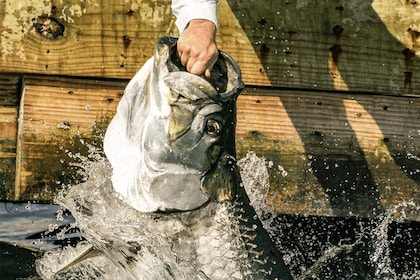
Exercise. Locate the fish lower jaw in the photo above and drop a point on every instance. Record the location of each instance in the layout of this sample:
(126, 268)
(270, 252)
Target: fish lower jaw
(167, 192)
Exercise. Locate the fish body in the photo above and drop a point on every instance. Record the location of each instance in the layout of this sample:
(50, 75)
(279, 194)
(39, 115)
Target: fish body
(175, 207)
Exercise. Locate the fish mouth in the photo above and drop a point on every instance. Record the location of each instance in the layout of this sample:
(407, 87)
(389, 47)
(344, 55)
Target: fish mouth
(218, 74)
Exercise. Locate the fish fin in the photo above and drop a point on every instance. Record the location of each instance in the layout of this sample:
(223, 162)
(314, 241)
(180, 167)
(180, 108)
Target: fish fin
(88, 252)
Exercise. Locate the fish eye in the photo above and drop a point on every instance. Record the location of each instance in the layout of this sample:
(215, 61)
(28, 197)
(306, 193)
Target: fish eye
(213, 128)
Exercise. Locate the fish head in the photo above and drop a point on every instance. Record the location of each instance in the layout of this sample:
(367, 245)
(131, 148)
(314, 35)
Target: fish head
(200, 128)
(183, 127)
(202, 111)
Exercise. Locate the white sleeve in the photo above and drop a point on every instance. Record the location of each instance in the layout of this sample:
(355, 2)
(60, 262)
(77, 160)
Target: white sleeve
(186, 10)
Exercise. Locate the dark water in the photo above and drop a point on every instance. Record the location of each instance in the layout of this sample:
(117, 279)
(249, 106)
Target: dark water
(350, 248)
(327, 247)
(26, 231)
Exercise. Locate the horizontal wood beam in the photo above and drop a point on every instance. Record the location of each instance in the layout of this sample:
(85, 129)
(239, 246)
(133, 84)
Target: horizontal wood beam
(333, 153)
(363, 46)
(326, 153)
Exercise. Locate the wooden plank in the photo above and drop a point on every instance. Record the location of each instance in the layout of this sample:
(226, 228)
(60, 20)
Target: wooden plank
(59, 121)
(108, 38)
(329, 45)
(9, 90)
(8, 127)
(327, 153)
(9, 106)
(364, 46)
(333, 154)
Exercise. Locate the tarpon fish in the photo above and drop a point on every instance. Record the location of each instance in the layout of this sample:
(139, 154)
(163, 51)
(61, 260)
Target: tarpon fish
(175, 207)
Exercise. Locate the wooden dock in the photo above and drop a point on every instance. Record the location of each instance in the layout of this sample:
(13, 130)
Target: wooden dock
(332, 97)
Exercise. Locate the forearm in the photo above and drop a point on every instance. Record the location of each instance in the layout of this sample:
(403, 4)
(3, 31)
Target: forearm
(187, 10)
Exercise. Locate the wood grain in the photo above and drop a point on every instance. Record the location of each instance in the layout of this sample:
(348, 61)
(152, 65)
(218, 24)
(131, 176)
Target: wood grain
(363, 46)
(333, 154)
(60, 121)
(326, 153)
(9, 107)
(332, 98)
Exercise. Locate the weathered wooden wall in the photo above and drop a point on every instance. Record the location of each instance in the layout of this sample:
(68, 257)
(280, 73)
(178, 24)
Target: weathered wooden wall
(9, 107)
(332, 96)
(367, 46)
(334, 154)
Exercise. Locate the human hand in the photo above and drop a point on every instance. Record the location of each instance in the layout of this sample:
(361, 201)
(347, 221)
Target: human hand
(197, 48)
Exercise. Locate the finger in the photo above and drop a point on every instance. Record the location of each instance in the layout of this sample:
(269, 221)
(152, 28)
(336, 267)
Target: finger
(213, 61)
(184, 57)
(207, 73)
(197, 67)
(209, 66)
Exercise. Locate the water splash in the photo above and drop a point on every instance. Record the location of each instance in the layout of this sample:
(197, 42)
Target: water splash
(337, 248)
(313, 247)
(155, 256)
(382, 240)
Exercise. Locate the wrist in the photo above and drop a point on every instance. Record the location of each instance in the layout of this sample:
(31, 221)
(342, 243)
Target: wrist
(202, 23)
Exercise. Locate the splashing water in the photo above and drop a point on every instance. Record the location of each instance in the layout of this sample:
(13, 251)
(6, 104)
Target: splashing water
(157, 259)
(314, 247)
(368, 254)
(382, 255)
